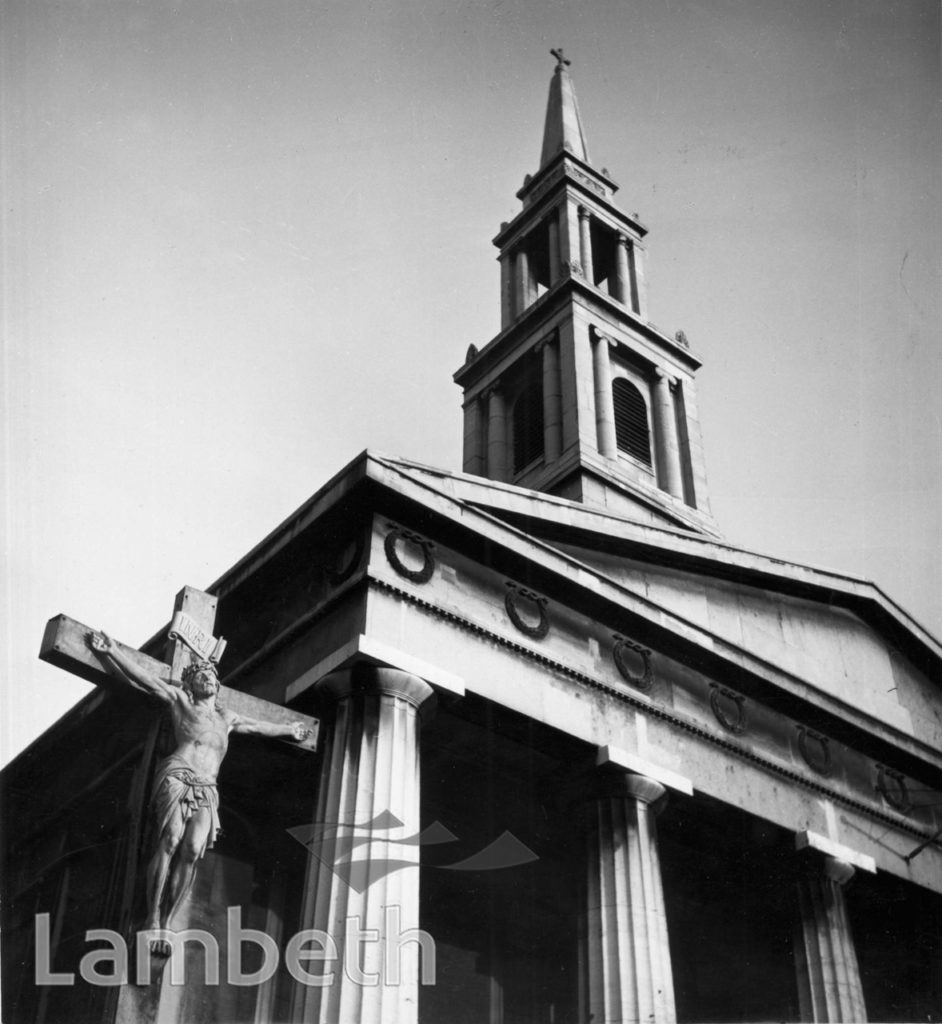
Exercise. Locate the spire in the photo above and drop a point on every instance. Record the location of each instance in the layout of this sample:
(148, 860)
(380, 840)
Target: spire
(563, 128)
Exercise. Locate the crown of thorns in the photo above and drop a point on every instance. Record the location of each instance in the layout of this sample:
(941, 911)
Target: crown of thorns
(199, 666)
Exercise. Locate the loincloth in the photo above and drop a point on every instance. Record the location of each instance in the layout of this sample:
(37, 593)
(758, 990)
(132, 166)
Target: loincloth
(179, 790)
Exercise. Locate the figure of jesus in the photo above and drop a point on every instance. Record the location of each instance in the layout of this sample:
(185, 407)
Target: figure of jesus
(184, 801)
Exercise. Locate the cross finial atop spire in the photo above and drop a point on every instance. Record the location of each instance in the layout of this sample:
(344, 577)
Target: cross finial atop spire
(563, 128)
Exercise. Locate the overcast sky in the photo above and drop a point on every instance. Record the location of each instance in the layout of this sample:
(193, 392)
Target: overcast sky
(245, 239)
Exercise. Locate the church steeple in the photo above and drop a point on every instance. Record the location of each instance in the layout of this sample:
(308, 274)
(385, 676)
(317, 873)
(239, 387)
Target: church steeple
(579, 395)
(562, 129)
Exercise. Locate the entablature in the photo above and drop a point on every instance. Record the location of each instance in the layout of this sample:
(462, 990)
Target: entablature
(569, 187)
(570, 660)
(536, 318)
(593, 184)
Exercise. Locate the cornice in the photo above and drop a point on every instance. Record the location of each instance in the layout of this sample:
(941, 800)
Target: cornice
(724, 740)
(552, 186)
(551, 302)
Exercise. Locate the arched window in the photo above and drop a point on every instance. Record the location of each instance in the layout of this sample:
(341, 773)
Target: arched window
(528, 425)
(631, 420)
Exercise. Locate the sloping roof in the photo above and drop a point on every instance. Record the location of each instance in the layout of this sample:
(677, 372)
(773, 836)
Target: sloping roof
(527, 531)
(557, 520)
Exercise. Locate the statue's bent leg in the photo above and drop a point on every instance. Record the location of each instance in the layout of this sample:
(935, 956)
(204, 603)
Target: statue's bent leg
(195, 838)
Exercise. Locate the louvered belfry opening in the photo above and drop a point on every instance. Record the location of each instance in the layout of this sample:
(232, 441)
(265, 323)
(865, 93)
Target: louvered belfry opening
(631, 420)
(528, 425)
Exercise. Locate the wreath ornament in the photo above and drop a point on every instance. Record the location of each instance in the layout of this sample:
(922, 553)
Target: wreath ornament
(397, 534)
(821, 761)
(643, 682)
(891, 785)
(511, 599)
(345, 560)
(722, 701)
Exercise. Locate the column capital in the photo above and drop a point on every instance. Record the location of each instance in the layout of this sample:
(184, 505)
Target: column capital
(820, 848)
(365, 679)
(599, 336)
(815, 864)
(545, 341)
(623, 239)
(583, 211)
(645, 790)
(612, 783)
(664, 377)
(838, 870)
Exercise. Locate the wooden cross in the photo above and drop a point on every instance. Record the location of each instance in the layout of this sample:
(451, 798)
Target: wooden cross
(179, 783)
(65, 646)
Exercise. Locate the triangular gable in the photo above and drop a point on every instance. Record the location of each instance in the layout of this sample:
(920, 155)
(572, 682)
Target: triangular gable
(568, 524)
(826, 645)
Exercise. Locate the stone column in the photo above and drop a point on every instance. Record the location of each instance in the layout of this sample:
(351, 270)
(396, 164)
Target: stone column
(665, 430)
(829, 986)
(569, 245)
(496, 435)
(639, 287)
(369, 773)
(552, 402)
(506, 290)
(625, 962)
(622, 273)
(473, 461)
(525, 283)
(604, 404)
(585, 244)
(554, 256)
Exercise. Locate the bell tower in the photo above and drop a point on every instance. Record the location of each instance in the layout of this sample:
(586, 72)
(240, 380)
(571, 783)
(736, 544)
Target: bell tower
(579, 395)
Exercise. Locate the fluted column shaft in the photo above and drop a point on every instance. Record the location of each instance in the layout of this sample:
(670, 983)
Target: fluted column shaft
(829, 984)
(552, 402)
(668, 449)
(496, 435)
(585, 244)
(369, 773)
(626, 975)
(604, 404)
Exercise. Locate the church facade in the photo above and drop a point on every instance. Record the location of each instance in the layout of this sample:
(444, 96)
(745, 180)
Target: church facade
(579, 759)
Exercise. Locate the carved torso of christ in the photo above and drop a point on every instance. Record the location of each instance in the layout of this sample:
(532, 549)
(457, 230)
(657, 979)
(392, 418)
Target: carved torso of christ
(202, 734)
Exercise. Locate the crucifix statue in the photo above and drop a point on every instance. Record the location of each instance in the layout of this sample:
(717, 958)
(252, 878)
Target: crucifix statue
(184, 802)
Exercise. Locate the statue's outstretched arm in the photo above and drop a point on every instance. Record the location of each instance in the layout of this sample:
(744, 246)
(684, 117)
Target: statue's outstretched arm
(296, 731)
(128, 671)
